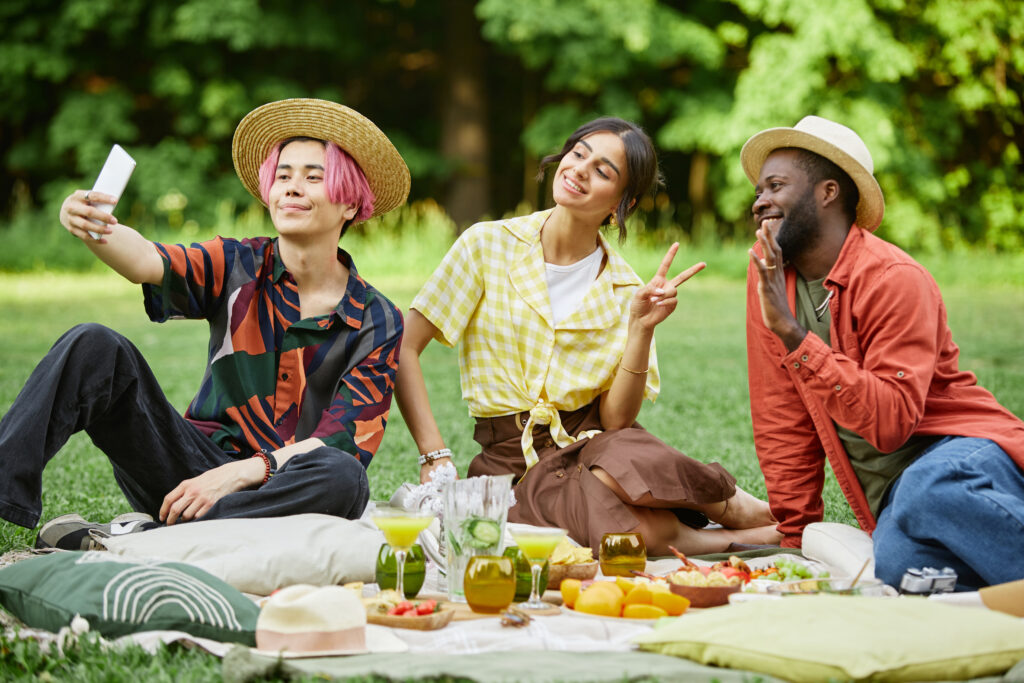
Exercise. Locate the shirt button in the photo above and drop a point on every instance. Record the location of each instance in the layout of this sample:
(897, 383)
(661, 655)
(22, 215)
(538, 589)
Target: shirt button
(284, 376)
(559, 474)
(838, 387)
(796, 365)
(899, 374)
(804, 358)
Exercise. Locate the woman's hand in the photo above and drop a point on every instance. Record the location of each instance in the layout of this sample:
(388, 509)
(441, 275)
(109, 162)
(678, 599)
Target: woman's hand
(78, 208)
(656, 300)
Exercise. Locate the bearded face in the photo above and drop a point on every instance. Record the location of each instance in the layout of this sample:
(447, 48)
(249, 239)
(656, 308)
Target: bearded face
(798, 231)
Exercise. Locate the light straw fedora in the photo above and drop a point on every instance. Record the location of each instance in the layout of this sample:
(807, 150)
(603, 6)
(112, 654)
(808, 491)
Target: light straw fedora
(311, 621)
(835, 142)
(271, 123)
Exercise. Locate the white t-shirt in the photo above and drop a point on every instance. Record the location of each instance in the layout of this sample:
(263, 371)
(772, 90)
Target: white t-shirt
(567, 285)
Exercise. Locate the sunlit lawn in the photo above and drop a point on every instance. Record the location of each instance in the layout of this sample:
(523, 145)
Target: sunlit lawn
(703, 409)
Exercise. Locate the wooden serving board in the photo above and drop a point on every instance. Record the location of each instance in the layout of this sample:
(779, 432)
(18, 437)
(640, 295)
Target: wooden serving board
(426, 622)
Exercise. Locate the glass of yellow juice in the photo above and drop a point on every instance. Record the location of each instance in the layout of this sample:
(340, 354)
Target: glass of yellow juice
(537, 544)
(401, 528)
(489, 583)
(622, 553)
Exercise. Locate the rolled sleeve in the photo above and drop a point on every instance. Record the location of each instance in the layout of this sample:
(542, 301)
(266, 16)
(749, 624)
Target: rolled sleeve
(451, 295)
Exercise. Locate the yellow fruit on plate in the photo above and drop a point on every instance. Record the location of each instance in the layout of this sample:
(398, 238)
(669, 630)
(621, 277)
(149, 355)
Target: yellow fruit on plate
(609, 586)
(570, 589)
(670, 602)
(600, 601)
(643, 612)
(624, 584)
(640, 595)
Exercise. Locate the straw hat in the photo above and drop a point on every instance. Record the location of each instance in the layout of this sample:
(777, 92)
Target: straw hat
(311, 621)
(835, 142)
(271, 123)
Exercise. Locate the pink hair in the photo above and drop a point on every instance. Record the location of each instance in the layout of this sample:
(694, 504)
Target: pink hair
(344, 180)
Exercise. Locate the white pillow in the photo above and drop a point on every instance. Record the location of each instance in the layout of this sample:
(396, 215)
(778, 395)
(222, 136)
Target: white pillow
(261, 555)
(843, 548)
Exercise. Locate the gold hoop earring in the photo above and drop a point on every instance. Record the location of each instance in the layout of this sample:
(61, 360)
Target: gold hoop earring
(613, 220)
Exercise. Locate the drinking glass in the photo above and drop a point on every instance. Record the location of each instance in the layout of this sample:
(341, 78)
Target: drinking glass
(475, 510)
(537, 544)
(490, 583)
(620, 554)
(401, 528)
(415, 569)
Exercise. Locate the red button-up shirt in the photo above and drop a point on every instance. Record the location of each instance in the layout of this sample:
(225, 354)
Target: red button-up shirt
(891, 372)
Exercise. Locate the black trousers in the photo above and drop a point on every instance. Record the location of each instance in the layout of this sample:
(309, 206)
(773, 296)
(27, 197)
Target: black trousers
(94, 379)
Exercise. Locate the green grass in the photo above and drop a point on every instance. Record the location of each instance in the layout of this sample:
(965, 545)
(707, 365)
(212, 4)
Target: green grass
(702, 410)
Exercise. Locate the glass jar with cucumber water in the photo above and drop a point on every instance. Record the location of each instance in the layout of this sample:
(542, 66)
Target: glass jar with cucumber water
(475, 510)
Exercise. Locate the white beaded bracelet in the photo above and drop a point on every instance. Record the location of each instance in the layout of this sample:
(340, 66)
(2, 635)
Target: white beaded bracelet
(430, 457)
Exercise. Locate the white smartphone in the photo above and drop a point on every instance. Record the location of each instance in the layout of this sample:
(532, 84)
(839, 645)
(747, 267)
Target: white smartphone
(113, 178)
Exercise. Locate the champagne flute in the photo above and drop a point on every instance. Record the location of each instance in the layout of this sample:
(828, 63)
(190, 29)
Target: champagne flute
(537, 544)
(401, 528)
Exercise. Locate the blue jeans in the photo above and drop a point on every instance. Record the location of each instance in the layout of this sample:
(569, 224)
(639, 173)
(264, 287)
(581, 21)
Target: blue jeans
(960, 505)
(93, 379)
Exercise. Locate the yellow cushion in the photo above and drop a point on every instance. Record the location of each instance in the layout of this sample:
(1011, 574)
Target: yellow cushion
(820, 637)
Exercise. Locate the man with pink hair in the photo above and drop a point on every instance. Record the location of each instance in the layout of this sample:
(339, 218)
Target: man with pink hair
(302, 354)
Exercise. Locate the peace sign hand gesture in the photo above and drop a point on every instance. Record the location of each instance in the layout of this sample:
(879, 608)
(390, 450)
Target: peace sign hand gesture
(656, 300)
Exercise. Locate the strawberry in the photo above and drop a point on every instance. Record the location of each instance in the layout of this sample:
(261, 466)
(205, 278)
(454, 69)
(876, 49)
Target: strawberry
(427, 607)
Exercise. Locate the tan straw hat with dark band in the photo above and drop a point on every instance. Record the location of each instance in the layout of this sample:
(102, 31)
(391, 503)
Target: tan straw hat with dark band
(835, 142)
(271, 123)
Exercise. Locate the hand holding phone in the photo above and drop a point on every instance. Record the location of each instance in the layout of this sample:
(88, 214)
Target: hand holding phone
(112, 180)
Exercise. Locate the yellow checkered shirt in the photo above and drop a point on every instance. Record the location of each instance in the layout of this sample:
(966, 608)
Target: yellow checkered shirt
(491, 292)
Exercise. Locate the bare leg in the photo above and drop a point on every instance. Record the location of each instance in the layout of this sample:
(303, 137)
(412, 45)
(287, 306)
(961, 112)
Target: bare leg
(661, 529)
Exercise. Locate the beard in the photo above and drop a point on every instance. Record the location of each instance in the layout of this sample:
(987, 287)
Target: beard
(799, 229)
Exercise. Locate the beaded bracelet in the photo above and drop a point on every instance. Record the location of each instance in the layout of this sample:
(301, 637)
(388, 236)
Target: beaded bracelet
(427, 458)
(266, 461)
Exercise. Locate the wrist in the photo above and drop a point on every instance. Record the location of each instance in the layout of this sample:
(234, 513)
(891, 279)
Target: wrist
(433, 456)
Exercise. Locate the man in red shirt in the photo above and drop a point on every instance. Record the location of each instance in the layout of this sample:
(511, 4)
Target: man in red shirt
(851, 358)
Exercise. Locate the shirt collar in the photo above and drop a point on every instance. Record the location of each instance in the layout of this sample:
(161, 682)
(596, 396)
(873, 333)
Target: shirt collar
(845, 263)
(350, 309)
(527, 229)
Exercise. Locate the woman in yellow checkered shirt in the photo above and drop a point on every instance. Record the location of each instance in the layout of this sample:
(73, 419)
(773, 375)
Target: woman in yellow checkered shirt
(557, 356)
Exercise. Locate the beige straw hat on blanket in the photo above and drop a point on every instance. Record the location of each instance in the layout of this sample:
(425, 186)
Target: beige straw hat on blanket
(319, 621)
(271, 123)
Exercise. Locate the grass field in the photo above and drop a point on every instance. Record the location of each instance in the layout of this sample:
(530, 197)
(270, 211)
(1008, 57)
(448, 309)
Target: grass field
(703, 408)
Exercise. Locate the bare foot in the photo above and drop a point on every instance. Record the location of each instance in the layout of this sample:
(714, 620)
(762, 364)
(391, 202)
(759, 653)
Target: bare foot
(744, 511)
(761, 535)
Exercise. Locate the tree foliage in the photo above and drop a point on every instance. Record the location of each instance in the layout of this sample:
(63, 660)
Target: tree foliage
(933, 86)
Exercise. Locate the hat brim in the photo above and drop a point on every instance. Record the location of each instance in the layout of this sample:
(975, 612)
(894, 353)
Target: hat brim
(271, 123)
(871, 204)
(379, 640)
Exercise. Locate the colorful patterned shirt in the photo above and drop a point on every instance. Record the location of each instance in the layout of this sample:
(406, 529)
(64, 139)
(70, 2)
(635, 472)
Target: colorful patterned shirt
(491, 292)
(274, 378)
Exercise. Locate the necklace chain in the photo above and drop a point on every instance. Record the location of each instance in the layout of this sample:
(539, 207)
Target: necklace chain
(820, 309)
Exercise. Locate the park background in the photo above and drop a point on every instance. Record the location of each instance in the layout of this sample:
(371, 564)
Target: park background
(473, 94)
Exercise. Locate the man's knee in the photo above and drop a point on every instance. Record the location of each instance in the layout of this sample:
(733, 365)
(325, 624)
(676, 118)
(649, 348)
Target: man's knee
(90, 338)
(343, 478)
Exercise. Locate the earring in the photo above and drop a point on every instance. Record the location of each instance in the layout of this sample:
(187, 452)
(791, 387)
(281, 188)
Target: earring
(613, 220)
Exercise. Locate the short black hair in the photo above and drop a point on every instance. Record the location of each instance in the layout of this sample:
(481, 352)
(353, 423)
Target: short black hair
(819, 168)
(642, 172)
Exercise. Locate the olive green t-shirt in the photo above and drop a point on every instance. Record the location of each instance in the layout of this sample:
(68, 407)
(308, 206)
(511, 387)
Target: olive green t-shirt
(875, 470)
